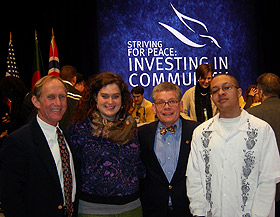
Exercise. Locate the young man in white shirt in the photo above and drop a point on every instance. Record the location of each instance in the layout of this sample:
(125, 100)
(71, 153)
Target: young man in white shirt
(234, 163)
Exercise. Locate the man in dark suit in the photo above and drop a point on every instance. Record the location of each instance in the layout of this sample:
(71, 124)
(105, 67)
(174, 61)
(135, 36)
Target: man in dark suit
(269, 111)
(37, 170)
(165, 146)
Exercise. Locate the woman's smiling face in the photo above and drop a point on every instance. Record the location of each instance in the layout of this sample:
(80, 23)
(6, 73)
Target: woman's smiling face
(109, 100)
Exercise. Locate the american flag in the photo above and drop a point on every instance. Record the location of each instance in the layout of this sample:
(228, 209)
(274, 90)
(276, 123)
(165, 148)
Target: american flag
(11, 62)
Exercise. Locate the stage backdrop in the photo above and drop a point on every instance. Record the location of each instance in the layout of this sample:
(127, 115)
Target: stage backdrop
(148, 42)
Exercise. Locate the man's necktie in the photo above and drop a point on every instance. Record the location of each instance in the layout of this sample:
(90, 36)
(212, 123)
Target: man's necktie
(67, 175)
(172, 129)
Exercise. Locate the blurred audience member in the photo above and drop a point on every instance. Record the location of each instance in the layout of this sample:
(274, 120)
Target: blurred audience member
(269, 111)
(197, 103)
(11, 98)
(80, 83)
(141, 109)
(251, 97)
(69, 76)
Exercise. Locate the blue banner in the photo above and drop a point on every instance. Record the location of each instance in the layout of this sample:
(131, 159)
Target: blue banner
(148, 42)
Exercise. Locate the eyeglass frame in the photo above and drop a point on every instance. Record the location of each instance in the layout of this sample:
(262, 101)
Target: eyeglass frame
(223, 88)
(162, 103)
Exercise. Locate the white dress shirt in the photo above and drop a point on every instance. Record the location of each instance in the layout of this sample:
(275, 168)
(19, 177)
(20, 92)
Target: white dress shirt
(232, 171)
(51, 137)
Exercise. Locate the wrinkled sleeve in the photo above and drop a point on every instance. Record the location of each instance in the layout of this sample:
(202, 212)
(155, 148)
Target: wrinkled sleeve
(194, 183)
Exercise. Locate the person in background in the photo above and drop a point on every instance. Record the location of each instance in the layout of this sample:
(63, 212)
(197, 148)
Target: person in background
(165, 146)
(69, 76)
(12, 92)
(80, 83)
(269, 111)
(37, 167)
(197, 103)
(251, 97)
(141, 109)
(104, 138)
(234, 163)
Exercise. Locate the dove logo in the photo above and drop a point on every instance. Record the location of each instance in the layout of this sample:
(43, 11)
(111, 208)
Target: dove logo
(182, 37)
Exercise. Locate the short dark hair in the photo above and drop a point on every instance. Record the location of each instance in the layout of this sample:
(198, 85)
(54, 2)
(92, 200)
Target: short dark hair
(67, 73)
(80, 78)
(138, 90)
(235, 82)
(269, 83)
(203, 70)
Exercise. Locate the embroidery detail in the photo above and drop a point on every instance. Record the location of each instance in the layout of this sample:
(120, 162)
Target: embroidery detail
(249, 160)
(206, 136)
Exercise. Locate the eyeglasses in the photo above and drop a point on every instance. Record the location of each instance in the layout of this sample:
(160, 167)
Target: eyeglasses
(162, 103)
(225, 88)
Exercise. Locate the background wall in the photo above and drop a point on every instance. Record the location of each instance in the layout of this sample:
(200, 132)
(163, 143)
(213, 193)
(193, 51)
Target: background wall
(81, 28)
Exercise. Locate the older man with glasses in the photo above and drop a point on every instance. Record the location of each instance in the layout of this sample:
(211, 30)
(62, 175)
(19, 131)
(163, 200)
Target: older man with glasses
(234, 162)
(165, 146)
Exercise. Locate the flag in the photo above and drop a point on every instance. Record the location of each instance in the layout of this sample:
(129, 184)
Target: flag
(54, 67)
(38, 67)
(11, 61)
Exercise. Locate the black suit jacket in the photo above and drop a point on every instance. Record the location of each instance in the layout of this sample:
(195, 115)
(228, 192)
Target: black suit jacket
(73, 98)
(29, 183)
(155, 188)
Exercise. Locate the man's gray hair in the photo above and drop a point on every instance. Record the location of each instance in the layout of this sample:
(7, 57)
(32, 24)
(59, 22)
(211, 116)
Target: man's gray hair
(166, 86)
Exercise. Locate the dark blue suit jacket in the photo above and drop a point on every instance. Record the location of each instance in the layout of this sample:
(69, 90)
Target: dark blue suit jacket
(29, 183)
(155, 188)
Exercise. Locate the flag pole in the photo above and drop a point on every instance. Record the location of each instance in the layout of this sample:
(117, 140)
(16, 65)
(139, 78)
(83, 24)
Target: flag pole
(52, 32)
(36, 35)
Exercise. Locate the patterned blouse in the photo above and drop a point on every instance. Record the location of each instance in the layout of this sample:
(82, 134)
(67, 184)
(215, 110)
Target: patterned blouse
(110, 172)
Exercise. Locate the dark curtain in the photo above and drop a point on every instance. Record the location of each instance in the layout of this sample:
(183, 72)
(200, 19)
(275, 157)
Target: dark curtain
(75, 29)
(267, 18)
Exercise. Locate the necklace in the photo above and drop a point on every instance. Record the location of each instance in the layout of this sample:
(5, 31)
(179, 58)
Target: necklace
(203, 94)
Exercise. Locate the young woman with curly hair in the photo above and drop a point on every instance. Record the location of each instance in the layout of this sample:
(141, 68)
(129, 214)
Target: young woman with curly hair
(104, 138)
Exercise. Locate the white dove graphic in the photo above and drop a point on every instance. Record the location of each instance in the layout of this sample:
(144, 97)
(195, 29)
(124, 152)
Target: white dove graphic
(183, 38)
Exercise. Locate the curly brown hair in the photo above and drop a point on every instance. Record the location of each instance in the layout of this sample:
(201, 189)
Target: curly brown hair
(88, 103)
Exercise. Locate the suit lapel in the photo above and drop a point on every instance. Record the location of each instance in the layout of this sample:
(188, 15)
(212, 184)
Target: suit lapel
(43, 150)
(183, 153)
(154, 159)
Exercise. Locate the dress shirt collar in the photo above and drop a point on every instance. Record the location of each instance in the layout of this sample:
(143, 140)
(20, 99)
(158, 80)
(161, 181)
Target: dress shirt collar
(49, 130)
(213, 123)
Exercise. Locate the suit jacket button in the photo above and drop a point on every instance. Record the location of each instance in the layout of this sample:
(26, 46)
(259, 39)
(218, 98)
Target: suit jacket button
(60, 207)
(170, 187)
